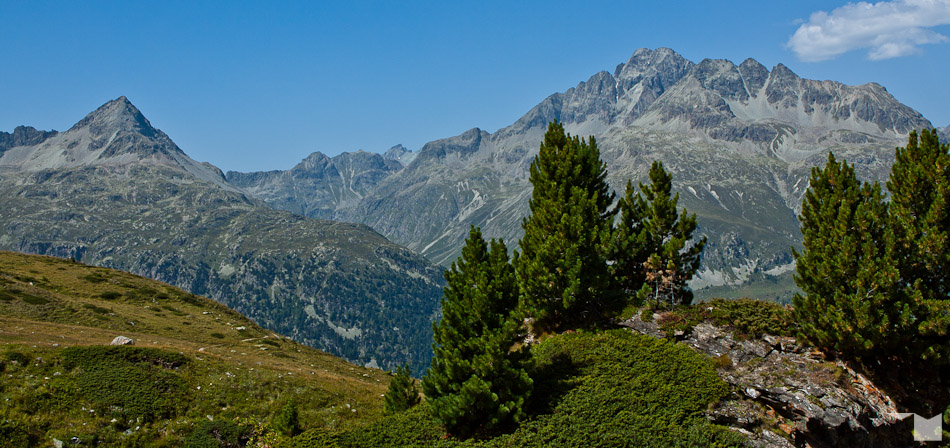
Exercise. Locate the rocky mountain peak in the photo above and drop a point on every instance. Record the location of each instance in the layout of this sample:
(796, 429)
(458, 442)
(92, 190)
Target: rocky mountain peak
(400, 154)
(117, 115)
(458, 147)
(661, 68)
(780, 71)
(754, 74)
(722, 77)
(116, 134)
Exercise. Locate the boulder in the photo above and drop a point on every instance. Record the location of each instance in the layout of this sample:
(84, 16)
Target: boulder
(122, 340)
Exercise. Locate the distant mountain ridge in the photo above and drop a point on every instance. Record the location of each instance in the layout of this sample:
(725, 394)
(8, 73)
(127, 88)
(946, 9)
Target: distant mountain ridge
(320, 186)
(739, 139)
(116, 192)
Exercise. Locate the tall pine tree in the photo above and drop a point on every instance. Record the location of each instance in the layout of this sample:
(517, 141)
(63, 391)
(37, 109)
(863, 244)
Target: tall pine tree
(651, 228)
(853, 301)
(476, 383)
(920, 216)
(562, 270)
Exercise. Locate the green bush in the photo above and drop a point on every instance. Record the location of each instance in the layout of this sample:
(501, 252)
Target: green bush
(750, 318)
(95, 277)
(16, 357)
(414, 427)
(217, 434)
(132, 382)
(33, 300)
(606, 389)
(312, 438)
(96, 308)
(16, 434)
(746, 318)
(110, 295)
(615, 388)
(286, 421)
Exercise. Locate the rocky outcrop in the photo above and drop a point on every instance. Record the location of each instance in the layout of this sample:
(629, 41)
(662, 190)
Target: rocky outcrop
(788, 395)
(23, 136)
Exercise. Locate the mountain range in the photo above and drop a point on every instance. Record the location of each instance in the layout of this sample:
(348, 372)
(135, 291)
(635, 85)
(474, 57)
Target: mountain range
(740, 141)
(116, 192)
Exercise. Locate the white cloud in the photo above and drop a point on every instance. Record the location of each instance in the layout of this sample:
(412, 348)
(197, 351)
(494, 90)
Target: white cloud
(885, 29)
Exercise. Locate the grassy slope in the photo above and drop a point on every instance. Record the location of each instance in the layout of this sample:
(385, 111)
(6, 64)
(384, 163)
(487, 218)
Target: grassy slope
(48, 304)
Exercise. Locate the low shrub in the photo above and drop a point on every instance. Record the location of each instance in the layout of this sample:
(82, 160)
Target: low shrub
(95, 277)
(34, 300)
(16, 357)
(96, 308)
(749, 318)
(606, 389)
(615, 388)
(110, 295)
(218, 434)
(746, 318)
(132, 382)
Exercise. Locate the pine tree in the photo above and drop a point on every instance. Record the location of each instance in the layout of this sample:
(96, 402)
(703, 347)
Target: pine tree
(476, 383)
(853, 303)
(562, 269)
(920, 216)
(402, 393)
(631, 244)
(650, 227)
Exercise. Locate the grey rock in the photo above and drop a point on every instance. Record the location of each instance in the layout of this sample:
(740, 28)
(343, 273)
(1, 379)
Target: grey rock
(122, 340)
(808, 404)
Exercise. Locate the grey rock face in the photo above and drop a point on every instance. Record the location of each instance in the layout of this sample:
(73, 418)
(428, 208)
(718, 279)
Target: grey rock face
(787, 387)
(23, 136)
(134, 201)
(319, 186)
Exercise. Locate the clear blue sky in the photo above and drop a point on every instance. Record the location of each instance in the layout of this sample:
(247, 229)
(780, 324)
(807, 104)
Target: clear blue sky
(253, 85)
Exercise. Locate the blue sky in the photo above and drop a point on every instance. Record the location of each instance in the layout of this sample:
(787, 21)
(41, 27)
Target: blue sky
(259, 85)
